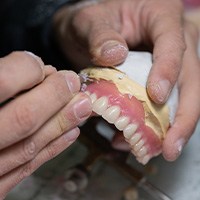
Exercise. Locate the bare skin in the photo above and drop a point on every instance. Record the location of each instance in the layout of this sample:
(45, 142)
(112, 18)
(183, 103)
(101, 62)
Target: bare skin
(101, 33)
(46, 109)
(41, 120)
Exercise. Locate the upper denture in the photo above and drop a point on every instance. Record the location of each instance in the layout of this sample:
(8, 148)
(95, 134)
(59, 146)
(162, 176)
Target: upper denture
(123, 102)
(127, 113)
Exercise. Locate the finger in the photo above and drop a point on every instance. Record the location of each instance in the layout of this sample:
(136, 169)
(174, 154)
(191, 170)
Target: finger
(164, 27)
(19, 71)
(106, 45)
(32, 109)
(100, 32)
(188, 111)
(49, 70)
(119, 143)
(77, 111)
(10, 180)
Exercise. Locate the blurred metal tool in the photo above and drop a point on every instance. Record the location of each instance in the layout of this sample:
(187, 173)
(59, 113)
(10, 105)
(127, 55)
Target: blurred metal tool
(100, 149)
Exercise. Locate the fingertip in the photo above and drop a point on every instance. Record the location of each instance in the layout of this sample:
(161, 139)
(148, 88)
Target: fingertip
(73, 81)
(110, 53)
(172, 148)
(159, 91)
(37, 58)
(119, 143)
(71, 135)
(34, 58)
(82, 107)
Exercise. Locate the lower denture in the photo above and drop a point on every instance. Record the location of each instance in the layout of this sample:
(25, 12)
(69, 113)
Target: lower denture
(144, 143)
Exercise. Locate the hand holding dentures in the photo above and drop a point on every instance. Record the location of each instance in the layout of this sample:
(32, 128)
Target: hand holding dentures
(119, 96)
(98, 33)
(107, 31)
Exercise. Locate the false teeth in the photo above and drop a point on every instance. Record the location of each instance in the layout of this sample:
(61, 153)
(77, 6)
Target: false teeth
(100, 105)
(121, 123)
(111, 114)
(145, 124)
(129, 130)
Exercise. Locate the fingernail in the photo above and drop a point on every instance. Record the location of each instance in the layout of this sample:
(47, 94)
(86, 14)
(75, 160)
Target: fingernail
(179, 147)
(83, 109)
(112, 52)
(37, 58)
(73, 82)
(160, 90)
(71, 135)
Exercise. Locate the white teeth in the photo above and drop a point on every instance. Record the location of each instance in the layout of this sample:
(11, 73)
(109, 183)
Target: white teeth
(138, 145)
(144, 160)
(111, 114)
(100, 105)
(136, 137)
(142, 152)
(93, 97)
(121, 123)
(130, 130)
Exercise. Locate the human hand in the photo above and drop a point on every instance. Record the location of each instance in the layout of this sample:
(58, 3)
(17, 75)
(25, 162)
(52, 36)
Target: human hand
(103, 31)
(188, 111)
(41, 119)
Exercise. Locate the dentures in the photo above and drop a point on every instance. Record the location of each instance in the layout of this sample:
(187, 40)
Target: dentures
(119, 96)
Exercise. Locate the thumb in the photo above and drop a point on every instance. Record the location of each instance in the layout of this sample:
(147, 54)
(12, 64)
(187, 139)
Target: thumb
(107, 47)
(99, 31)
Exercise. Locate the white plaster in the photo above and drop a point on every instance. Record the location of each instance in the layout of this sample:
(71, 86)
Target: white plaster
(137, 66)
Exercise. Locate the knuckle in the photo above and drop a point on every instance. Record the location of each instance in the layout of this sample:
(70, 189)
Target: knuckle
(85, 13)
(51, 151)
(153, 8)
(24, 118)
(66, 120)
(28, 152)
(62, 124)
(31, 61)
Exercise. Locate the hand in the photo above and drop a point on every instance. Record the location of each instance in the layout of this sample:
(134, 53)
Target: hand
(188, 112)
(40, 110)
(103, 31)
